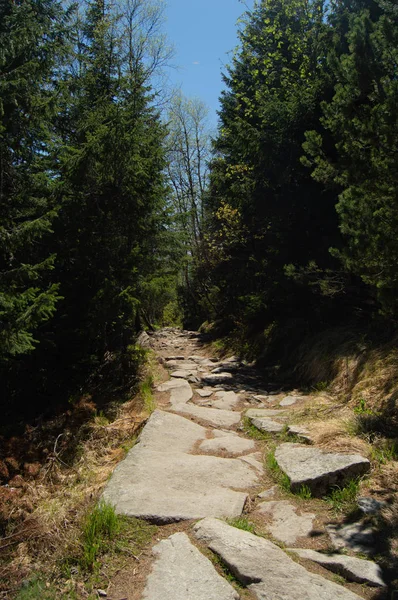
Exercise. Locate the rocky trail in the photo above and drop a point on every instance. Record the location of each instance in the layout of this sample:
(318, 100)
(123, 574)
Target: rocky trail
(235, 481)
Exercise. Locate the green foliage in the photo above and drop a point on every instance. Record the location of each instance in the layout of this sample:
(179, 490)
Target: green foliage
(31, 48)
(343, 499)
(304, 492)
(146, 394)
(356, 152)
(37, 590)
(241, 523)
(102, 525)
(361, 408)
(279, 476)
(253, 432)
(384, 451)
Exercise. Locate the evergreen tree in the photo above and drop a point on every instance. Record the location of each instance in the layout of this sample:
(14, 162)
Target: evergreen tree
(357, 152)
(30, 47)
(268, 212)
(111, 194)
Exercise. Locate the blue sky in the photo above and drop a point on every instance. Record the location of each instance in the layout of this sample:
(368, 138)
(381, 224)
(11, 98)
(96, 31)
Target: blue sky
(203, 32)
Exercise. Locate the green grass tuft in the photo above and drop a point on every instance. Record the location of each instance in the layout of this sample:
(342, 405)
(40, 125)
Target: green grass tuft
(147, 395)
(343, 499)
(253, 432)
(241, 523)
(101, 525)
(304, 492)
(38, 590)
(279, 476)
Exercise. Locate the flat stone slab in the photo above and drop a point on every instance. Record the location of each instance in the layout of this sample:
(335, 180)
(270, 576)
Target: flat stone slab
(169, 358)
(161, 482)
(215, 378)
(263, 567)
(300, 432)
(305, 465)
(351, 568)
(233, 444)
(267, 425)
(286, 526)
(213, 416)
(226, 400)
(180, 390)
(290, 400)
(181, 365)
(181, 572)
(183, 373)
(264, 412)
(204, 393)
(356, 536)
(254, 460)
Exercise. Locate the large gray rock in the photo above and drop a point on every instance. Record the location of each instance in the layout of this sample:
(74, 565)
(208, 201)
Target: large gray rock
(318, 470)
(286, 525)
(263, 567)
(353, 569)
(267, 425)
(233, 444)
(159, 481)
(181, 572)
(213, 416)
(180, 390)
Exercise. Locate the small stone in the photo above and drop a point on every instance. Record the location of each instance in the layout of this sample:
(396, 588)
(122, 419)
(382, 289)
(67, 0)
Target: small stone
(289, 400)
(102, 593)
(176, 358)
(300, 432)
(287, 526)
(267, 425)
(268, 493)
(353, 569)
(204, 393)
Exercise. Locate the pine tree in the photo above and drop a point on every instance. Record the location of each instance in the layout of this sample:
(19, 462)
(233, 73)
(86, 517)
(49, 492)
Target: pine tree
(30, 47)
(357, 154)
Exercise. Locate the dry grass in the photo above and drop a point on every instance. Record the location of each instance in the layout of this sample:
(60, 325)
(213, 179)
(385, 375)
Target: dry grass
(42, 518)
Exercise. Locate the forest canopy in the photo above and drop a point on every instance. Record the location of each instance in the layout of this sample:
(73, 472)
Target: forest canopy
(118, 211)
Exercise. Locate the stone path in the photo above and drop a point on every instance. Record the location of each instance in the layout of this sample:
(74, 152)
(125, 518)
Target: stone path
(195, 461)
